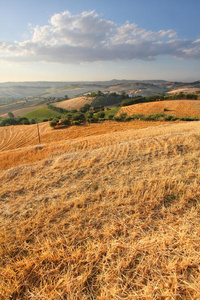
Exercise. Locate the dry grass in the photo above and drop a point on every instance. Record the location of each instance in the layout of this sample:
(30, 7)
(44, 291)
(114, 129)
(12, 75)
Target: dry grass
(184, 90)
(20, 139)
(75, 103)
(179, 108)
(107, 216)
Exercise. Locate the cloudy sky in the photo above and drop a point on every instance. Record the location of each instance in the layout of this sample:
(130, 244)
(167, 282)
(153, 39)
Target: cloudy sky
(73, 40)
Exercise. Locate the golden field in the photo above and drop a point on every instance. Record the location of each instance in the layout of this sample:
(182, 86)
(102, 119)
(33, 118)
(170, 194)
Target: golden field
(104, 211)
(74, 103)
(20, 139)
(179, 108)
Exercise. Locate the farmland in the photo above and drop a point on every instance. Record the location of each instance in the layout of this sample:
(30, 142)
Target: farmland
(175, 107)
(75, 103)
(20, 139)
(104, 211)
(40, 113)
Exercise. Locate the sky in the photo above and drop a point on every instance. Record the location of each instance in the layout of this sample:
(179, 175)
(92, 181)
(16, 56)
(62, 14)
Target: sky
(90, 40)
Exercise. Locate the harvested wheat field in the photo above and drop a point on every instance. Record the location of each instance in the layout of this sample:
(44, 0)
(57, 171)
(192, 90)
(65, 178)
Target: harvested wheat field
(53, 141)
(106, 215)
(74, 103)
(179, 108)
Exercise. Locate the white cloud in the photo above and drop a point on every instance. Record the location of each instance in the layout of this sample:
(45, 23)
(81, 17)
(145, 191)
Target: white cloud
(87, 37)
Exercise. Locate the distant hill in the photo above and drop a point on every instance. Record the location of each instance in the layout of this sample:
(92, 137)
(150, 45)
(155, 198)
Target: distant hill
(59, 88)
(17, 95)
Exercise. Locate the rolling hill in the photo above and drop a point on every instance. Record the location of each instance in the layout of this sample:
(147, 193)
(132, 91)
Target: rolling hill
(17, 95)
(104, 211)
(179, 108)
(75, 103)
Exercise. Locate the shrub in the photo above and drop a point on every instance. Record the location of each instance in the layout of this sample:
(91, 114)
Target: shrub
(88, 114)
(121, 117)
(191, 96)
(11, 115)
(89, 117)
(100, 114)
(78, 116)
(169, 118)
(128, 118)
(56, 120)
(33, 121)
(25, 122)
(137, 116)
(64, 121)
(73, 111)
(77, 122)
(110, 117)
(85, 108)
(131, 101)
(53, 123)
(186, 118)
(97, 108)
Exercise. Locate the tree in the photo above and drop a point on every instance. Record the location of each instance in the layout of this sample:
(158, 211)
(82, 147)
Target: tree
(79, 116)
(64, 121)
(99, 94)
(53, 123)
(85, 108)
(89, 117)
(100, 114)
(25, 122)
(11, 115)
(93, 94)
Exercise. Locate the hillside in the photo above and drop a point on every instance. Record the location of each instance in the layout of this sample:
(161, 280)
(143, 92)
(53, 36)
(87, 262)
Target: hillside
(20, 137)
(75, 103)
(16, 95)
(20, 107)
(175, 107)
(105, 211)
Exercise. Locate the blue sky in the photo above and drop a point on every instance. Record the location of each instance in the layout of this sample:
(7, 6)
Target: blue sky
(99, 40)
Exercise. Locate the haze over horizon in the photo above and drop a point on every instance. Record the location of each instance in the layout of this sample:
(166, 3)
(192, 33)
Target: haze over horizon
(98, 41)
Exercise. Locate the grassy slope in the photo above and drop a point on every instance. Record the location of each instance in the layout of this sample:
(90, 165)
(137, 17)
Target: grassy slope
(175, 107)
(20, 106)
(112, 111)
(41, 113)
(103, 216)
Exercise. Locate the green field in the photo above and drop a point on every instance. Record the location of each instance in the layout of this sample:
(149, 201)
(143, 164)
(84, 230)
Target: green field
(112, 111)
(41, 114)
